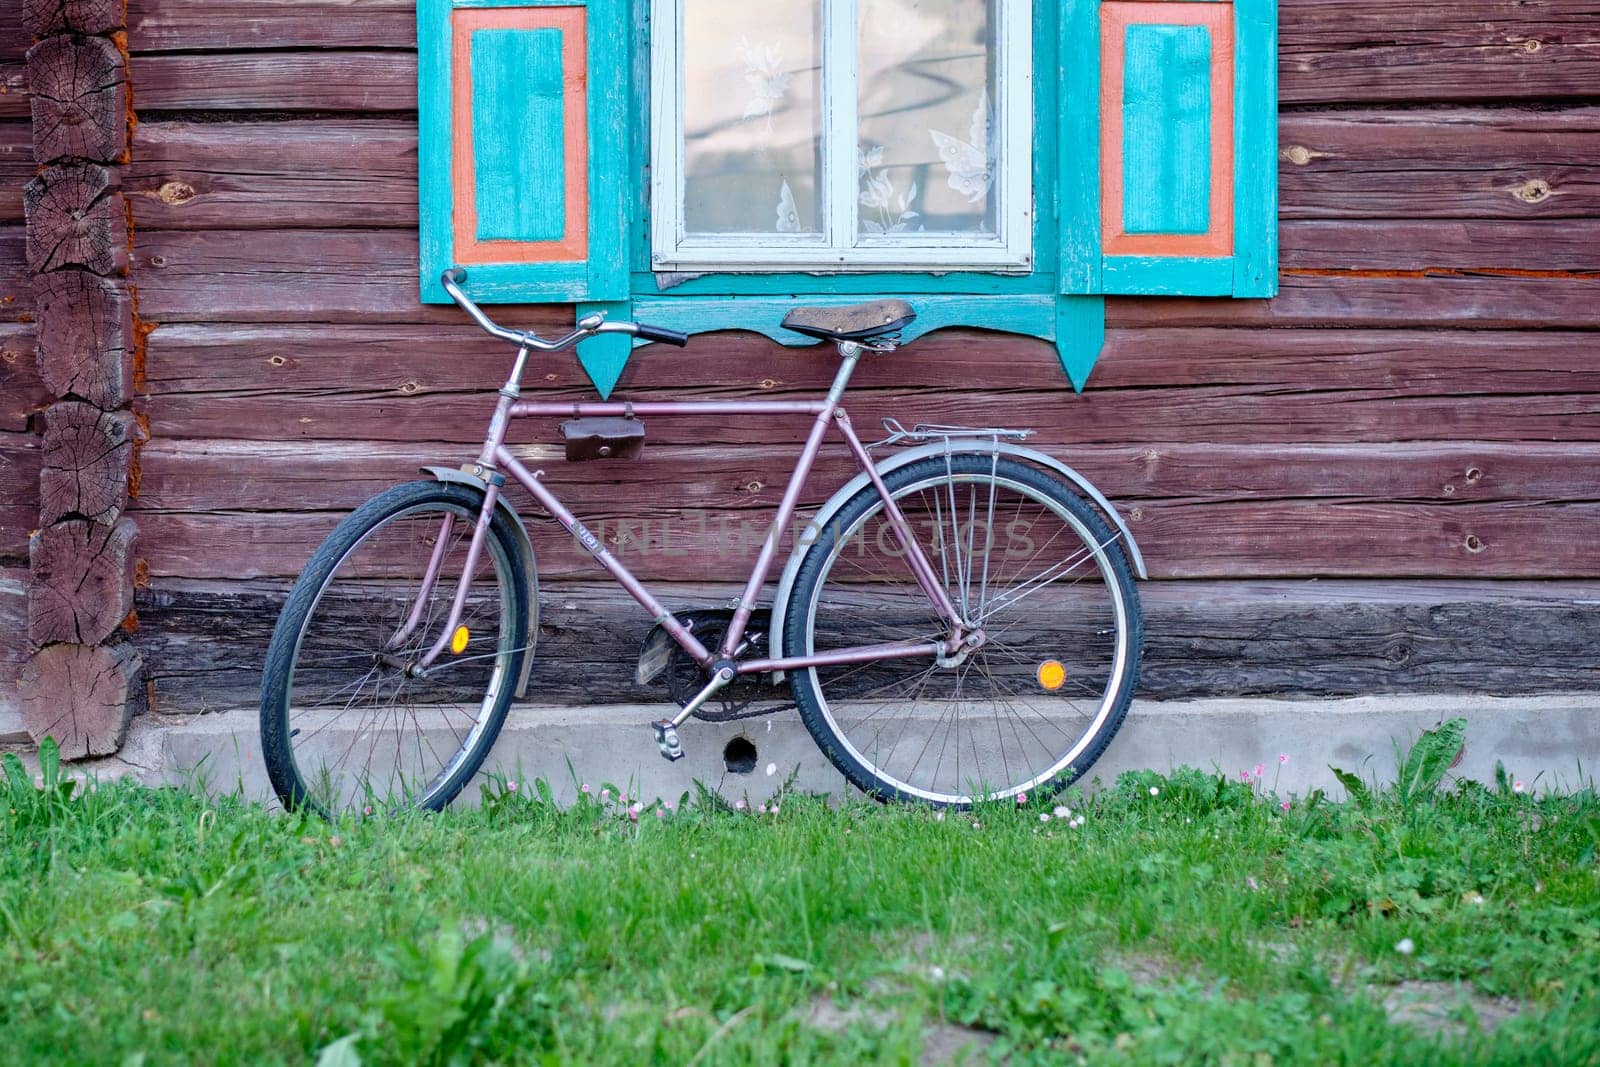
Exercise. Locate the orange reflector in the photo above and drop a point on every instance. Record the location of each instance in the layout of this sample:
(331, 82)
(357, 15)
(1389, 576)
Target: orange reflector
(459, 639)
(1052, 675)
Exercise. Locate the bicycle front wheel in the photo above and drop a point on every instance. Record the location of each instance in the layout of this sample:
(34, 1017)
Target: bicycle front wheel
(1026, 561)
(344, 724)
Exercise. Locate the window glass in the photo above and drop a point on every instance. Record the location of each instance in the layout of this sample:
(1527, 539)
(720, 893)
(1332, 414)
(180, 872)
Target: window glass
(925, 93)
(752, 117)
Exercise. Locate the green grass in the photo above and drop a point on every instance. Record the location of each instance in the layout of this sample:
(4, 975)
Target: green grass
(1202, 924)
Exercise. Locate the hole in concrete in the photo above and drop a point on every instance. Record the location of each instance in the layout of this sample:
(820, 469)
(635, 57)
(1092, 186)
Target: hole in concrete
(739, 756)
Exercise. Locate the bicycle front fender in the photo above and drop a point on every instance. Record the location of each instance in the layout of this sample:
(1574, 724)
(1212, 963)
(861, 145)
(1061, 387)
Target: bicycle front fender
(780, 602)
(530, 566)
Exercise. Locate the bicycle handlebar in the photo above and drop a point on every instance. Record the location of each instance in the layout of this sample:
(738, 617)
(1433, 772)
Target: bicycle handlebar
(587, 327)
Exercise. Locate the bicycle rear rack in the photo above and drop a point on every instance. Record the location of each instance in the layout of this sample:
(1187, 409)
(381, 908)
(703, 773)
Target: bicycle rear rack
(930, 431)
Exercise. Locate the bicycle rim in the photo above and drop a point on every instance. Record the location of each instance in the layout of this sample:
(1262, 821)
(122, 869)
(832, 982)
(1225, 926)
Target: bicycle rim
(364, 734)
(1032, 566)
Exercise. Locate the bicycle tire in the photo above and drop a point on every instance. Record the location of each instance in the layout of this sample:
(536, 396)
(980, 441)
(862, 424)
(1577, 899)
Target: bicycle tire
(881, 603)
(319, 611)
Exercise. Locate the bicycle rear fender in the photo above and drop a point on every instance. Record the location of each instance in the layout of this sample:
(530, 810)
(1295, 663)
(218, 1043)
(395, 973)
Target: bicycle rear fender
(780, 601)
(524, 546)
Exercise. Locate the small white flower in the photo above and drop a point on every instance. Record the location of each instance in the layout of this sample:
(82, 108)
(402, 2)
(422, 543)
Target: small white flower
(938, 816)
(739, 805)
(511, 787)
(1061, 811)
(976, 825)
(1154, 791)
(772, 768)
(1518, 787)
(1044, 816)
(1405, 946)
(761, 809)
(773, 810)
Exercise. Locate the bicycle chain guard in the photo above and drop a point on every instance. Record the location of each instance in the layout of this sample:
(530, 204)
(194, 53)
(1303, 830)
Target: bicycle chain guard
(661, 659)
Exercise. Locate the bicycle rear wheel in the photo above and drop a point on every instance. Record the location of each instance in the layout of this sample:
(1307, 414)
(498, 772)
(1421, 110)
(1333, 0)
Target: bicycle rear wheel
(1024, 559)
(344, 725)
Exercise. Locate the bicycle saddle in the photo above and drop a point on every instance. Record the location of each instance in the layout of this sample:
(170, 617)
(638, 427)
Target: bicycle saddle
(858, 322)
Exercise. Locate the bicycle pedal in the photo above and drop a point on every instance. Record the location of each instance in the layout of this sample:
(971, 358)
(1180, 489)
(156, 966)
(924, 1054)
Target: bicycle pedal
(667, 740)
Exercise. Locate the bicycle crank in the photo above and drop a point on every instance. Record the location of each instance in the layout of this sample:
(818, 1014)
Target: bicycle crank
(746, 696)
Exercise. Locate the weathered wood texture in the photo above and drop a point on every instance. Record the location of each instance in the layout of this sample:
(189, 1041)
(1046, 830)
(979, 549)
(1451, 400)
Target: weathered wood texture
(86, 337)
(79, 92)
(76, 219)
(1203, 639)
(1436, 163)
(19, 494)
(41, 18)
(82, 696)
(82, 581)
(1383, 273)
(86, 464)
(1418, 412)
(1332, 51)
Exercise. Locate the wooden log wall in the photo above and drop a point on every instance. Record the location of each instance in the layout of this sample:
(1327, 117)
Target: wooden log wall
(83, 679)
(1384, 478)
(22, 395)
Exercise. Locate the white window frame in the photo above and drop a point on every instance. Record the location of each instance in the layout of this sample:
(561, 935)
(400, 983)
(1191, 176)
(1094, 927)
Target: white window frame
(840, 249)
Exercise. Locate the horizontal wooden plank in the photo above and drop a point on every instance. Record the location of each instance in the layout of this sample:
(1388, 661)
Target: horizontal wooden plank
(1381, 273)
(1202, 639)
(19, 493)
(1180, 539)
(425, 361)
(1438, 163)
(16, 168)
(1366, 51)
(303, 173)
(1330, 51)
(335, 475)
(289, 384)
(22, 394)
(346, 81)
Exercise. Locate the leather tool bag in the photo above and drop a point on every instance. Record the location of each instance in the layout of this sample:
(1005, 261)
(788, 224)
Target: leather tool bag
(602, 437)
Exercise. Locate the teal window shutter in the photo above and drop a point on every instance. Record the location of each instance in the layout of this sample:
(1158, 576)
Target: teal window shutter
(523, 148)
(1168, 150)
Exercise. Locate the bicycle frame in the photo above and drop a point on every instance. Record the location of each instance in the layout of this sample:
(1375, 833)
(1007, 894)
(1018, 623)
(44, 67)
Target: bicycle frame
(495, 458)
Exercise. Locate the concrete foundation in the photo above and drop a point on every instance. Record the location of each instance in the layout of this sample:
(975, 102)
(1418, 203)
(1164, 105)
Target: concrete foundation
(1548, 741)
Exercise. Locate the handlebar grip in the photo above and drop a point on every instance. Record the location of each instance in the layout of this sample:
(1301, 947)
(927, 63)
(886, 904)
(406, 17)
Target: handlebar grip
(455, 276)
(659, 333)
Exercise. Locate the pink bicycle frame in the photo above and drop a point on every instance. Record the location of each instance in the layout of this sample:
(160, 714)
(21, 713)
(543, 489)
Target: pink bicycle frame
(495, 458)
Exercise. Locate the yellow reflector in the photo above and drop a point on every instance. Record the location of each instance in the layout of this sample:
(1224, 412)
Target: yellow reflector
(458, 640)
(1052, 675)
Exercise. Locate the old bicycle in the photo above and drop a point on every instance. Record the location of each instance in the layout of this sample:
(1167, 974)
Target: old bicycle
(958, 622)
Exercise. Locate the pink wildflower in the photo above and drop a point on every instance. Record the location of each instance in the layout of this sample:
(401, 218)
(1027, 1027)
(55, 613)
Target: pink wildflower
(622, 798)
(773, 810)
(1250, 880)
(739, 805)
(661, 813)
(1022, 798)
(605, 795)
(1283, 757)
(511, 787)
(584, 789)
(1244, 776)
(1518, 787)
(633, 812)
(1261, 769)
(1286, 805)
(761, 809)
(367, 810)
(1061, 811)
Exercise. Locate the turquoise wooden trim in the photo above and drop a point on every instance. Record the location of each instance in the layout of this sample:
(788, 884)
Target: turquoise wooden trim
(1077, 72)
(800, 285)
(1167, 276)
(519, 135)
(1255, 213)
(1166, 126)
(1252, 270)
(434, 197)
(603, 357)
(1075, 324)
(1080, 334)
(604, 275)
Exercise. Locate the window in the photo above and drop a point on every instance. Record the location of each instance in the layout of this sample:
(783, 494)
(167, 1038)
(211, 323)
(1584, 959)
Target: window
(841, 134)
(708, 164)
